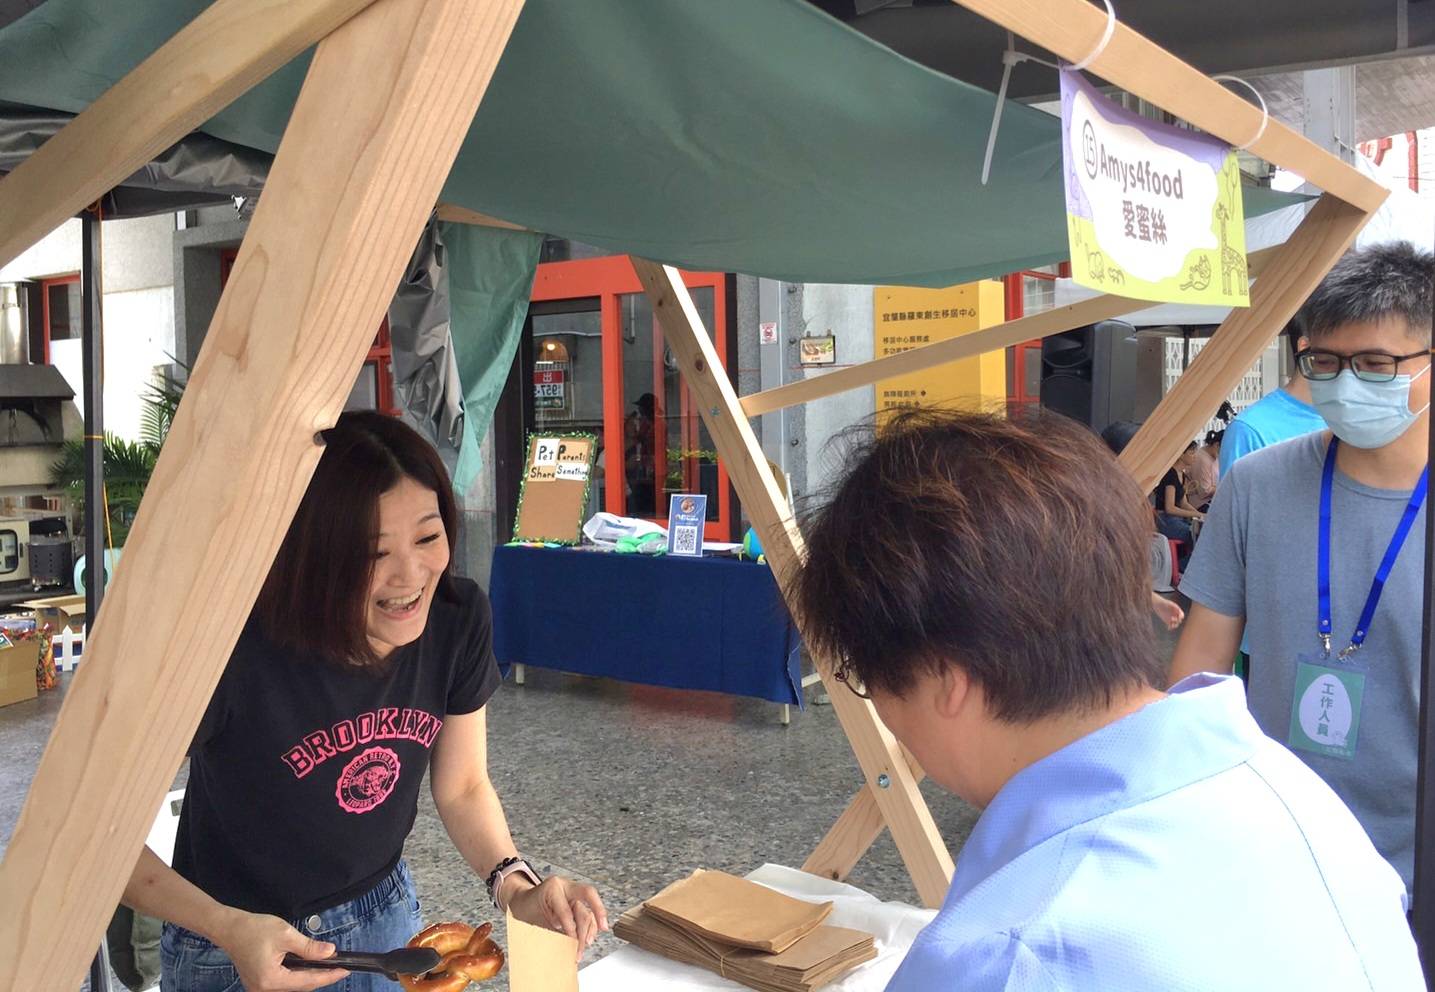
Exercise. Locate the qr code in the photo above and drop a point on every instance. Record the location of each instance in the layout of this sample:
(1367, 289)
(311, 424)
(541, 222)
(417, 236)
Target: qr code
(685, 541)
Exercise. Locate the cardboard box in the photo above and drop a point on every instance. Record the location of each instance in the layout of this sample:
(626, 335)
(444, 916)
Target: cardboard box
(17, 672)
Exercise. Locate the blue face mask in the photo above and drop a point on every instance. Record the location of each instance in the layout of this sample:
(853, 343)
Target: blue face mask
(1366, 414)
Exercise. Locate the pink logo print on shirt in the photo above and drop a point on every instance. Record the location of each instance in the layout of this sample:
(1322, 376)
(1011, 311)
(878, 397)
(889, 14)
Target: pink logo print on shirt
(367, 780)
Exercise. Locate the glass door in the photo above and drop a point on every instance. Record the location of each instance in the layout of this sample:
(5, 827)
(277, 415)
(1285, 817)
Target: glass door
(668, 449)
(567, 378)
(600, 364)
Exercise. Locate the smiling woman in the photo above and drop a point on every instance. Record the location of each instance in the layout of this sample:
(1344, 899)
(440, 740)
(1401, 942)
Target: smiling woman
(376, 527)
(365, 663)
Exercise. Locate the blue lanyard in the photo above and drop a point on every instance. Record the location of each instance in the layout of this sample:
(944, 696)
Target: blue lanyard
(1397, 541)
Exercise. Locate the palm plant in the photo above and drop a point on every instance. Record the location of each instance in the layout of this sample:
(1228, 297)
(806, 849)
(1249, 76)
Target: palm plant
(128, 464)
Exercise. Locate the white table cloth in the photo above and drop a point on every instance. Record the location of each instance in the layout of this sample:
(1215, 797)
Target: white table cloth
(895, 925)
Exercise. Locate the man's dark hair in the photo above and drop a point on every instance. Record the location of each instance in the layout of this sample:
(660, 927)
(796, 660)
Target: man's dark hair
(1015, 550)
(1118, 434)
(1372, 284)
(315, 599)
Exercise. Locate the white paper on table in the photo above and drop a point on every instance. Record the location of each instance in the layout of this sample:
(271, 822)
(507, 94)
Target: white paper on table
(894, 925)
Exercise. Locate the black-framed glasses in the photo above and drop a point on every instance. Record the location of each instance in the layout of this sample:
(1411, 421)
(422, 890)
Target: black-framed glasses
(1371, 366)
(855, 687)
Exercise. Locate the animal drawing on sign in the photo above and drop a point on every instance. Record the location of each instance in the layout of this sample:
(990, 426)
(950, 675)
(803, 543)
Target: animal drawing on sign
(1199, 274)
(1117, 277)
(1096, 265)
(1233, 263)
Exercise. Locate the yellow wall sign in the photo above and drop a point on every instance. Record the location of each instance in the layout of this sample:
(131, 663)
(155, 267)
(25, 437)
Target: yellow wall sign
(904, 318)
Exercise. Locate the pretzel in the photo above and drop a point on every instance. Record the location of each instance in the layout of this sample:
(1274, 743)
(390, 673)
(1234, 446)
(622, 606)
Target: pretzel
(469, 955)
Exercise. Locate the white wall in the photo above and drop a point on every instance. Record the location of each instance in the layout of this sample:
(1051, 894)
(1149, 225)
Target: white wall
(138, 308)
(56, 254)
(845, 311)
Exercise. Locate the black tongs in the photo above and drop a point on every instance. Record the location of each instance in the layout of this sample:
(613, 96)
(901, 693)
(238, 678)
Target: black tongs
(404, 961)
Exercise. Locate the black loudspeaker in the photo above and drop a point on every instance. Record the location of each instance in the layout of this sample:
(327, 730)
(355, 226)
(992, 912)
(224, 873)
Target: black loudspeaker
(1089, 373)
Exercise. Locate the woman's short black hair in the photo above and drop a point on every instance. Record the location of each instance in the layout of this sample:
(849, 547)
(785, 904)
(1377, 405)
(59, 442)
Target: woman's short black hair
(315, 599)
(1118, 434)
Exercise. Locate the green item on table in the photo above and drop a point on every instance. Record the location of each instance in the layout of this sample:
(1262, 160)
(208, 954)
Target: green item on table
(648, 544)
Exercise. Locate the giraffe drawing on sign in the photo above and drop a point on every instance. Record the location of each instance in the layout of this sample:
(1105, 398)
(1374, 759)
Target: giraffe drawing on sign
(1233, 263)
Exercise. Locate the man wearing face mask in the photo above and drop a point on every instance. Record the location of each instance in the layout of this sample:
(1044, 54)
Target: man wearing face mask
(1312, 548)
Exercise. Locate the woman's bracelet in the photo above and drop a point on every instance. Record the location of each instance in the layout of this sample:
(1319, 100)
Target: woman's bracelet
(500, 873)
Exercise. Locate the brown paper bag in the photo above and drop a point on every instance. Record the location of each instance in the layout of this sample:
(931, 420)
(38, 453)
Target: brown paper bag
(540, 960)
(737, 912)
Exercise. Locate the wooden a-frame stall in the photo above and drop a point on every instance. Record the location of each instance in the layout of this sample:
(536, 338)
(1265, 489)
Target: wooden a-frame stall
(389, 95)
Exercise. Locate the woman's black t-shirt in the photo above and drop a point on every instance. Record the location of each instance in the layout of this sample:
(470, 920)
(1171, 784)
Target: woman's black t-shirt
(304, 777)
(1171, 478)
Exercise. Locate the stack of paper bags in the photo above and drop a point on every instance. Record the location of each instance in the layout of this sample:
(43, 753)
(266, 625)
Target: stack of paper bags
(746, 932)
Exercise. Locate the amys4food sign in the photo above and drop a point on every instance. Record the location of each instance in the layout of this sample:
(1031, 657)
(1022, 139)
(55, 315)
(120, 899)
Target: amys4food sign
(1152, 211)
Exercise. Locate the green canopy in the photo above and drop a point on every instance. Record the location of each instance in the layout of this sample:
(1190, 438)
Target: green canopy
(755, 136)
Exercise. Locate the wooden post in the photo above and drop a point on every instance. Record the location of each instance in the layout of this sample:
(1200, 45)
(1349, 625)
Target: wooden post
(855, 830)
(1327, 231)
(389, 97)
(883, 760)
(229, 47)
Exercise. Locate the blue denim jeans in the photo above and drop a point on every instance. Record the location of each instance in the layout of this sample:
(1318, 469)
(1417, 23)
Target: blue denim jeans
(381, 919)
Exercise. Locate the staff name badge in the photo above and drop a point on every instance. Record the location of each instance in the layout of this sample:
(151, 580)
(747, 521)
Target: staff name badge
(1153, 211)
(687, 513)
(1325, 714)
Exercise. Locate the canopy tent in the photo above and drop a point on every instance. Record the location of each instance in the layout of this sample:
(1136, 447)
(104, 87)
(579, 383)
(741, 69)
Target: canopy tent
(1215, 36)
(391, 93)
(702, 150)
(754, 136)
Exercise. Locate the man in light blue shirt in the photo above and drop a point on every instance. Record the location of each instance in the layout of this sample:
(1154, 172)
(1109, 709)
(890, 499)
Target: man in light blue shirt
(984, 583)
(1276, 417)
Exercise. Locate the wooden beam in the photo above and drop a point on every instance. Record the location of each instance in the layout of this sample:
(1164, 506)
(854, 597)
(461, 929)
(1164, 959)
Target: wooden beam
(217, 57)
(1327, 231)
(1073, 30)
(882, 759)
(1013, 332)
(455, 214)
(856, 830)
(390, 95)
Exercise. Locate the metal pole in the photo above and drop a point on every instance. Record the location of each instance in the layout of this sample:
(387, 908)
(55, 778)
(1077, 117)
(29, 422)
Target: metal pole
(92, 371)
(1424, 894)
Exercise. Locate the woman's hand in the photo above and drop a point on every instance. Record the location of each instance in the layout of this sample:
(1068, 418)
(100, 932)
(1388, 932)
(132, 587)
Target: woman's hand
(257, 944)
(560, 904)
(1170, 613)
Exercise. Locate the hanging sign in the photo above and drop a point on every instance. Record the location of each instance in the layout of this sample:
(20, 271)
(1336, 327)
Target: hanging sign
(1153, 211)
(817, 350)
(548, 388)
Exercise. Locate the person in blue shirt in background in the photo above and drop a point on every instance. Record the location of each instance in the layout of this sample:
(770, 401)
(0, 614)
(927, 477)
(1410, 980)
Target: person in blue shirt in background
(984, 582)
(1276, 417)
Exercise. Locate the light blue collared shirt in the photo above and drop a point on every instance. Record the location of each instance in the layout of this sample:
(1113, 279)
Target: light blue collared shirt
(1176, 849)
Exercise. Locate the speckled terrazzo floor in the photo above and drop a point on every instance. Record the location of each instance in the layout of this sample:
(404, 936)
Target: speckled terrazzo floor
(624, 786)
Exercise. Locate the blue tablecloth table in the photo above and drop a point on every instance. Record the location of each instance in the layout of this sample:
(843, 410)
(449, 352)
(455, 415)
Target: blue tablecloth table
(685, 623)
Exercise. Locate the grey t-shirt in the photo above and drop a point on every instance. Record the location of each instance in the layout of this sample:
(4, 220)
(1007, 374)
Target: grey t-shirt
(1256, 558)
